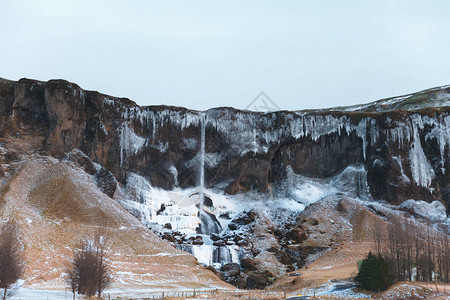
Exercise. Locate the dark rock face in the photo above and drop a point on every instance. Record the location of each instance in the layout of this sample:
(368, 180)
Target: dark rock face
(405, 152)
(106, 182)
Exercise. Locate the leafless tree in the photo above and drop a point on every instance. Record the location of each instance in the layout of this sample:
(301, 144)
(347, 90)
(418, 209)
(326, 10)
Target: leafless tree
(11, 257)
(88, 273)
(377, 235)
(412, 244)
(104, 278)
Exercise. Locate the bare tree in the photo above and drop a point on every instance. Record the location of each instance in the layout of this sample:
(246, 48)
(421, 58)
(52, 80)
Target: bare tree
(11, 257)
(88, 273)
(377, 236)
(72, 276)
(103, 274)
(413, 244)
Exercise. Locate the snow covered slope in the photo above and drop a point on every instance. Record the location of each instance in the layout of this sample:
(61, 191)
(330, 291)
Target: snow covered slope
(435, 97)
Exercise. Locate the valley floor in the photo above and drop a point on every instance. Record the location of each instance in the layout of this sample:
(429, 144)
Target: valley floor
(332, 290)
(329, 277)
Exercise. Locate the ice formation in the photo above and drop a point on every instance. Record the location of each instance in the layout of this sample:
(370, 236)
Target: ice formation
(434, 211)
(130, 142)
(421, 170)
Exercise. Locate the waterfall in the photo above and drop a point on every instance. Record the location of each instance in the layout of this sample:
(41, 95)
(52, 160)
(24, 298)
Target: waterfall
(202, 161)
(208, 223)
(208, 254)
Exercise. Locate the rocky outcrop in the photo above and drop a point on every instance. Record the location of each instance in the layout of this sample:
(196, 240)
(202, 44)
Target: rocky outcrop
(404, 151)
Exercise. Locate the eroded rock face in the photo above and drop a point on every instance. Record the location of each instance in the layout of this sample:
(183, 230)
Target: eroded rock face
(406, 152)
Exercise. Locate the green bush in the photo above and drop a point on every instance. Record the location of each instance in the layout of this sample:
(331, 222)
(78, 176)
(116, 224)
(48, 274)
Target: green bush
(373, 273)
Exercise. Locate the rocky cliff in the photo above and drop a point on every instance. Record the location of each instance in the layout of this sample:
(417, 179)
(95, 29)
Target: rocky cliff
(402, 143)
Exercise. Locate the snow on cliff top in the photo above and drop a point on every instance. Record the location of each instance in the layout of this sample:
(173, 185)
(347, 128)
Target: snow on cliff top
(434, 97)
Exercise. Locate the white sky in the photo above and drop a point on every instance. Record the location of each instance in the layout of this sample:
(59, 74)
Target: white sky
(203, 54)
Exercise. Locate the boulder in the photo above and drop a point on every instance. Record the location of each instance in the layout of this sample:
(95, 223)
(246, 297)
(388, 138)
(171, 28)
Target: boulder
(259, 280)
(106, 182)
(215, 237)
(219, 243)
(83, 161)
(231, 270)
(249, 264)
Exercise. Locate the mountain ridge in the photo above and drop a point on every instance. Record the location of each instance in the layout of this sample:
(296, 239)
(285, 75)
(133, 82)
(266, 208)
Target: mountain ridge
(348, 108)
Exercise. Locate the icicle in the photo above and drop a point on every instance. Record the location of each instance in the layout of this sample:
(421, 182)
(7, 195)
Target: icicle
(421, 170)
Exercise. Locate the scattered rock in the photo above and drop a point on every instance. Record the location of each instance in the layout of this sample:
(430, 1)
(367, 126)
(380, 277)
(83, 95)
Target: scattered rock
(283, 258)
(233, 226)
(198, 240)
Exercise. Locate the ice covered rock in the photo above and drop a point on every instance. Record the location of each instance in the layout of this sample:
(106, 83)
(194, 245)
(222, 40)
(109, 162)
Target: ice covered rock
(434, 211)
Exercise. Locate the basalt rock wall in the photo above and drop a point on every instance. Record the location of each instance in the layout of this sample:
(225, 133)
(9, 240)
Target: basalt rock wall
(405, 152)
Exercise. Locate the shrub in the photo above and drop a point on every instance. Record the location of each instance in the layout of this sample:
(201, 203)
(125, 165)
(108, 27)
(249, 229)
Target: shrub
(373, 273)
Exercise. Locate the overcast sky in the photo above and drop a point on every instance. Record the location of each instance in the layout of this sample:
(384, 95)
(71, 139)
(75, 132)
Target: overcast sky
(203, 54)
